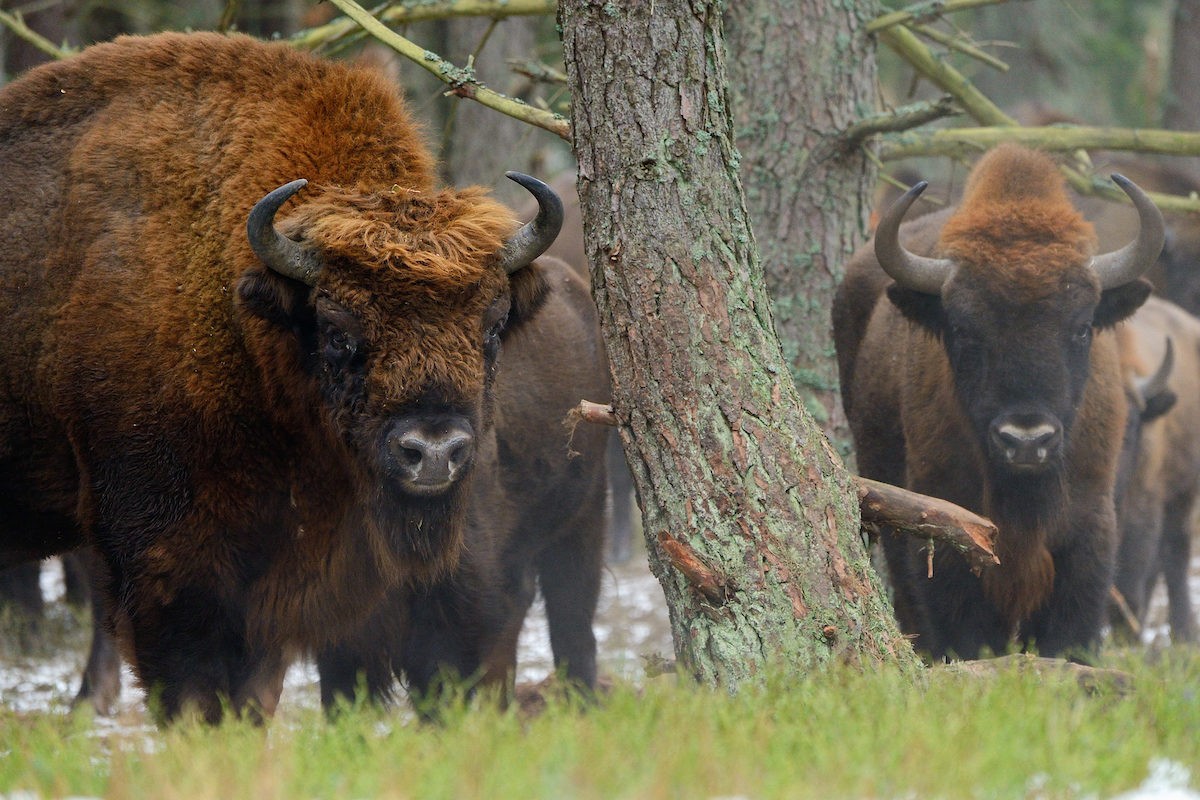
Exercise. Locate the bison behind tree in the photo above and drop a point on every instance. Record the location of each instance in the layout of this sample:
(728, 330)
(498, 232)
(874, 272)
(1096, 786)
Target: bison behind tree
(986, 375)
(261, 434)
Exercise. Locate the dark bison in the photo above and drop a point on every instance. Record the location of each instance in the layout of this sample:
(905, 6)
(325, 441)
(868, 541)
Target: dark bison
(536, 519)
(569, 247)
(259, 402)
(986, 375)
(1160, 482)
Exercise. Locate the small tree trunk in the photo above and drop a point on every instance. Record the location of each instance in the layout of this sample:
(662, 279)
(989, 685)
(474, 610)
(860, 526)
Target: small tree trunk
(801, 71)
(481, 145)
(1182, 103)
(750, 518)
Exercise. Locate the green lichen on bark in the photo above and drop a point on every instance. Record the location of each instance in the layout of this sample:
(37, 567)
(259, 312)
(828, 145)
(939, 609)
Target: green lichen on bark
(731, 470)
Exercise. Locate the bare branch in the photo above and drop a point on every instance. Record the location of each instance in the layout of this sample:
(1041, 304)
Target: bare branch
(462, 82)
(963, 142)
(889, 507)
(906, 45)
(924, 12)
(900, 119)
(403, 13)
(964, 47)
(537, 71)
(16, 24)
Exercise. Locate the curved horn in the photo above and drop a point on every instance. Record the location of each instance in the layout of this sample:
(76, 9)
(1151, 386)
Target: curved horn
(919, 273)
(1122, 266)
(538, 234)
(279, 253)
(1156, 384)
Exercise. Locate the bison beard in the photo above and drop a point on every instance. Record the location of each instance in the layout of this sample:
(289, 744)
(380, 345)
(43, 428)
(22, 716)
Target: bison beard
(225, 268)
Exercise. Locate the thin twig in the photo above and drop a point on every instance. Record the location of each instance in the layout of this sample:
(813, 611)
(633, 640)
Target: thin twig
(924, 12)
(964, 47)
(403, 13)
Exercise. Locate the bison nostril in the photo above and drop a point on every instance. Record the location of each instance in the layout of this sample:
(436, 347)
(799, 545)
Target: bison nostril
(430, 455)
(1028, 444)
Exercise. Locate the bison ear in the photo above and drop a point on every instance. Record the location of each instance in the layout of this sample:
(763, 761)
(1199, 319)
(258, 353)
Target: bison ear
(1119, 302)
(529, 289)
(273, 299)
(919, 307)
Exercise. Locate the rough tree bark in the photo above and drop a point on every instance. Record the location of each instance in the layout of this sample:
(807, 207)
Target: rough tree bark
(801, 71)
(750, 518)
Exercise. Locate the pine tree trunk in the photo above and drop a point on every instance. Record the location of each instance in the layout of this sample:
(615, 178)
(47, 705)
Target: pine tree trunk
(801, 71)
(750, 518)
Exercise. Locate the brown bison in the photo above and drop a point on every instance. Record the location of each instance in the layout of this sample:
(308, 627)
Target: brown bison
(1159, 483)
(986, 375)
(260, 402)
(536, 520)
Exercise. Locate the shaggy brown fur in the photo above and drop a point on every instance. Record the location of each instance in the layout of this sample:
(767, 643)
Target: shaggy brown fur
(216, 430)
(926, 380)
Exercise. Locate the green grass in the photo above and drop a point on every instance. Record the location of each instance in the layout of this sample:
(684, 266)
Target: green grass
(840, 734)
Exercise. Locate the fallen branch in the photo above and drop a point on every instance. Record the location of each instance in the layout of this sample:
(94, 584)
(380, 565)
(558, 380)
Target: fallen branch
(887, 507)
(957, 142)
(883, 507)
(985, 112)
(1090, 679)
(462, 82)
(1126, 612)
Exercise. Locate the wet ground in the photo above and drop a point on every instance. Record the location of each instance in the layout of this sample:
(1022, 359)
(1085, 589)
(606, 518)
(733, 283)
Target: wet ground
(631, 625)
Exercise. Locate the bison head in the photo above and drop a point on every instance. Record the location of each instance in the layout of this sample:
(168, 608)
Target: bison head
(383, 313)
(1016, 303)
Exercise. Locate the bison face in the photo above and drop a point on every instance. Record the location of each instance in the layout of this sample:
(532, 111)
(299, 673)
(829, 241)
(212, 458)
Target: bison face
(380, 317)
(1019, 368)
(1016, 307)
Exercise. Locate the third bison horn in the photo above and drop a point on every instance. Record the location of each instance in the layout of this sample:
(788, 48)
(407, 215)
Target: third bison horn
(538, 234)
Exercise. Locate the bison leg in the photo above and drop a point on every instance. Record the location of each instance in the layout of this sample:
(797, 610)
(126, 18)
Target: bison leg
(569, 570)
(190, 654)
(353, 670)
(1136, 566)
(101, 683)
(21, 593)
(1069, 623)
(449, 627)
(1175, 558)
(956, 619)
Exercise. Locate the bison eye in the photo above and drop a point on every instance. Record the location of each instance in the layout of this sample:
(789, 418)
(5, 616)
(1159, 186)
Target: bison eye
(1083, 333)
(340, 347)
(494, 332)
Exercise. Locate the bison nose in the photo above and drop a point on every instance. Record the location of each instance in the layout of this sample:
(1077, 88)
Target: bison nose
(429, 455)
(1026, 443)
